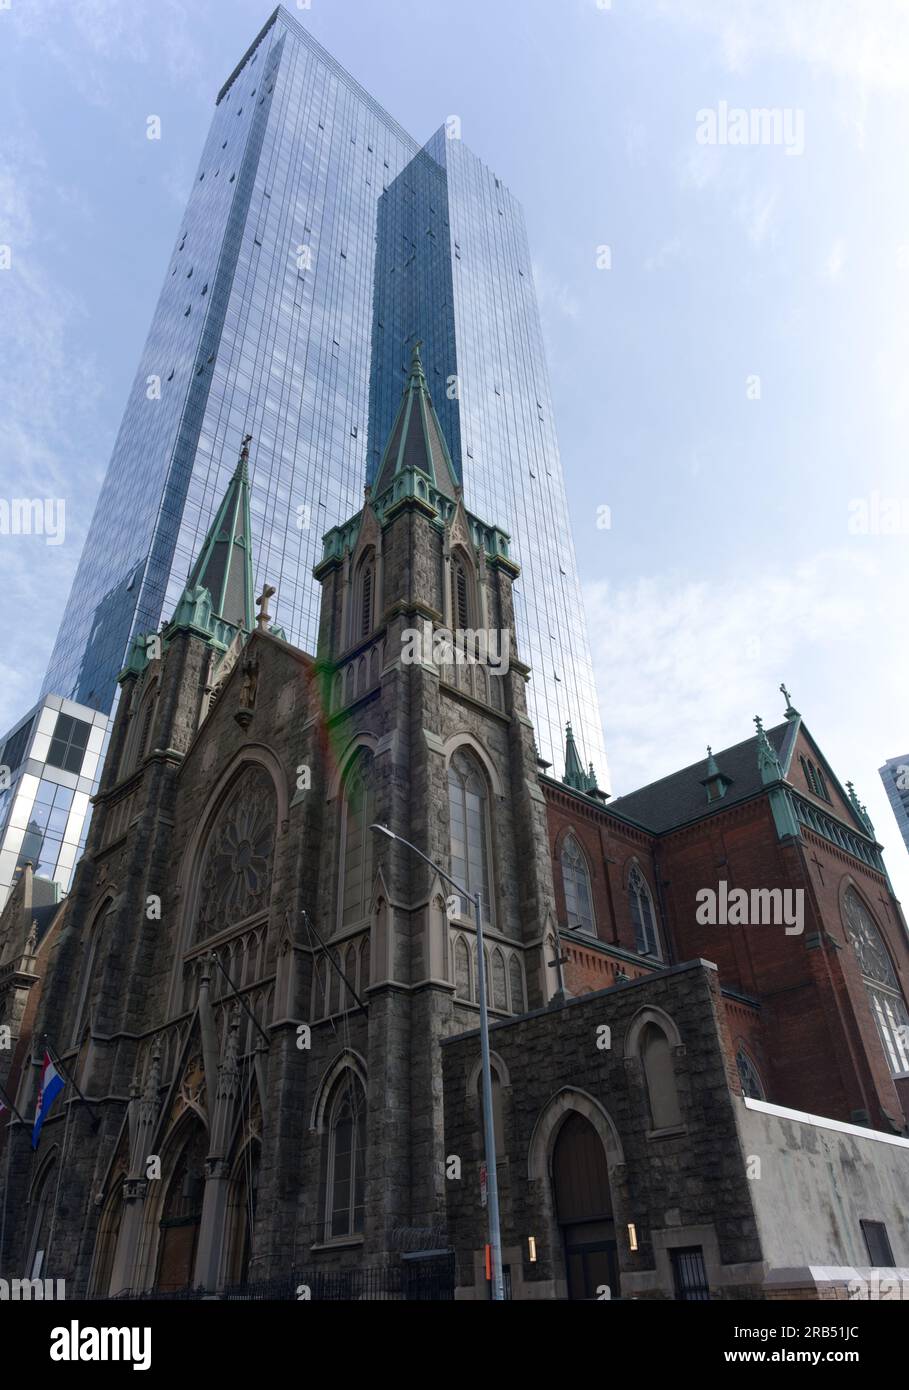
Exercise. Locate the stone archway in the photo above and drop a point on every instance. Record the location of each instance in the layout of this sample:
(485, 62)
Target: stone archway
(574, 1148)
(181, 1213)
(582, 1201)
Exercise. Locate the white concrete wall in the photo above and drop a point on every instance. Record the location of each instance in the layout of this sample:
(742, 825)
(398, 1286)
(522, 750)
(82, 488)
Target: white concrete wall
(818, 1179)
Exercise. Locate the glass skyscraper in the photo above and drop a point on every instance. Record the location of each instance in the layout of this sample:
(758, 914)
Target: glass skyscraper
(320, 241)
(895, 777)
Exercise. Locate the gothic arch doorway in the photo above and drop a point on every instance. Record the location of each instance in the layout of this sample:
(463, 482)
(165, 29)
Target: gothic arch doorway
(181, 1214)
(583, 1207)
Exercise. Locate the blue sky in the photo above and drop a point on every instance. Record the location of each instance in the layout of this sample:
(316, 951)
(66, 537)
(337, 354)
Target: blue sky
(732, 560)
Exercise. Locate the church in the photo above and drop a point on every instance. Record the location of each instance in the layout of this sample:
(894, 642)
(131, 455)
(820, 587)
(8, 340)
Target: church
(265, 1012)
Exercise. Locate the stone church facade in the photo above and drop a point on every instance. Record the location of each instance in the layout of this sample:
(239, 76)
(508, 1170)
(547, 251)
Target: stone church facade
(266, 1011)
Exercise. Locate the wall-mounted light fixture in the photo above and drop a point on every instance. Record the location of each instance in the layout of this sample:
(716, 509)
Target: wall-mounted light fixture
(632, 1236)
(532, 1249)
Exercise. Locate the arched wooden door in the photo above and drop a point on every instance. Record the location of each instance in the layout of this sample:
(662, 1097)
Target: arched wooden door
(181, 1215)
(583, 1203)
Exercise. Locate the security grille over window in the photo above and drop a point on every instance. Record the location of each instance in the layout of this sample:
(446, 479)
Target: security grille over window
(884, 994)
(689, 1275)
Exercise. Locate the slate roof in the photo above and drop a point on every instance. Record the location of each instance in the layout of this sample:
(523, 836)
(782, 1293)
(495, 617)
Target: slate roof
(681, 797)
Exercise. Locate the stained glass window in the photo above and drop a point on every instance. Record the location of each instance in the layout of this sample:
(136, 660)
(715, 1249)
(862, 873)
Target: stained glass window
(576, 881)
(884, 994)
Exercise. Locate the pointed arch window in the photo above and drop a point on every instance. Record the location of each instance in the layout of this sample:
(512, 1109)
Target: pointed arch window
(462, 606)
(139, 734)
(659, 1074)
(646, 939)
(499, 988)
(90, 956)
(366, 601)
(365, 597)
(462, 969)
(357, 842)
(345, 1185)
(576, 882)
(516, 984)
(236, 873)
(468, 806)
(748, 1075)
(884, 994)
(41, 1219)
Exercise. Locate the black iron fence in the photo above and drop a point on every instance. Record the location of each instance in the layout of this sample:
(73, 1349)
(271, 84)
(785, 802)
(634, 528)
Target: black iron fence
(412, 1280)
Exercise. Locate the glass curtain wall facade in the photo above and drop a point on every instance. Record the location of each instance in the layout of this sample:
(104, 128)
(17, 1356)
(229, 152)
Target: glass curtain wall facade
(895, 777)
(53, 757)
(319, 242)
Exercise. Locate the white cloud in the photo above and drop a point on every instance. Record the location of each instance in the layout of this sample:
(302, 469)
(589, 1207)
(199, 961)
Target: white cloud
(681, 663)
(84, 37)
(757, 213)
(669, 251)
(555, 296)
(48, 407)
(832, 268)
(867, 43)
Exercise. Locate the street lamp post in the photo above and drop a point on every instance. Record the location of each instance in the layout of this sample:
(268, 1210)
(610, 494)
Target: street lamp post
(489, 1140)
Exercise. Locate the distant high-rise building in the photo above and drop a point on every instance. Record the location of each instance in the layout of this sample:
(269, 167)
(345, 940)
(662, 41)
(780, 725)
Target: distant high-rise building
(50, 760)
(319, 243)
(895, 777)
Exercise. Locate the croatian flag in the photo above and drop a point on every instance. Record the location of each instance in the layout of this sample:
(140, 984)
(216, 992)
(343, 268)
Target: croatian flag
(51, 1086)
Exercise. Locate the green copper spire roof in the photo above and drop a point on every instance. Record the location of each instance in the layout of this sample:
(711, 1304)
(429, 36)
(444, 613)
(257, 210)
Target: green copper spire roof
(224, 564)
(767, 757)
(416, 439)
(575, 776)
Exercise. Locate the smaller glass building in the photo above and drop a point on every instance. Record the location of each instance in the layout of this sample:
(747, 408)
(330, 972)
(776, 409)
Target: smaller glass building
(49, 767)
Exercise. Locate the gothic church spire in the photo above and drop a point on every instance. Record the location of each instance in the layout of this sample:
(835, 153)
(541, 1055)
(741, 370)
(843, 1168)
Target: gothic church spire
(224, 564)
(416, 439)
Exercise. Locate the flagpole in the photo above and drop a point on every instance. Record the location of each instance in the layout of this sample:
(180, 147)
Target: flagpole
(52, 1053)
